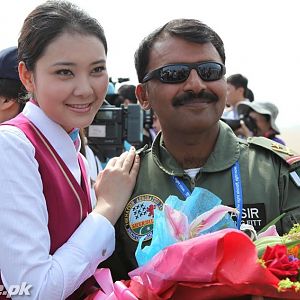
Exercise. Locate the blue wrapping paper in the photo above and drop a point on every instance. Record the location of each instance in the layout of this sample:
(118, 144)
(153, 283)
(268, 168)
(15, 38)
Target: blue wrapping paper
(200, 201)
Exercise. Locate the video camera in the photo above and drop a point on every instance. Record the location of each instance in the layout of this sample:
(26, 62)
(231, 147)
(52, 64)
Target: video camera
(112, 126)
(236, 123)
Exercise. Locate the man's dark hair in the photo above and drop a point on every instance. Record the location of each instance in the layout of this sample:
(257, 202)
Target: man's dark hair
(190, 30)
(238, 80)
(13, 90)
(250, 95)
(10, 88)
(127, 91)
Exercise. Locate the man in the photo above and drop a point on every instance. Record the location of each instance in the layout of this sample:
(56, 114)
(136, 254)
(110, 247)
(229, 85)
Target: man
(10, 84)
(237, 92)
(127, 92)
(263, 115)
(180, 68)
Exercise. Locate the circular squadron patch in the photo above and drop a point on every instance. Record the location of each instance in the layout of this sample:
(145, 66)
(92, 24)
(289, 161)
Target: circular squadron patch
(139, 216)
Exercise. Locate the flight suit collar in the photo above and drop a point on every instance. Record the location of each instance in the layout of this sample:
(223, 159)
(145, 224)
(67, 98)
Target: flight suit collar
(224, 155)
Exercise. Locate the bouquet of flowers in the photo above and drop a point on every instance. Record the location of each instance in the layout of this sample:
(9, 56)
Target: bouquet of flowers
(205, 257)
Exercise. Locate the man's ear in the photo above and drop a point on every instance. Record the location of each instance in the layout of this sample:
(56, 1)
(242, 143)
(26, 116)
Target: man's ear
(141, 93)
(26, 77)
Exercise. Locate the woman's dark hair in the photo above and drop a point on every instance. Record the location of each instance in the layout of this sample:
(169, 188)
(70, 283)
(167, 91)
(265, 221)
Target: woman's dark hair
(47, 22)
(127, 91)
(190, 30)
(10, 88)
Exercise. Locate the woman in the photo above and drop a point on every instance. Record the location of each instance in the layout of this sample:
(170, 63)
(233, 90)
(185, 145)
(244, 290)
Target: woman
(262, 116)
(52, 239)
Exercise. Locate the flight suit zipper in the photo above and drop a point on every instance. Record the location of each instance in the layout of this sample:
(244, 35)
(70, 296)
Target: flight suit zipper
(192, 183)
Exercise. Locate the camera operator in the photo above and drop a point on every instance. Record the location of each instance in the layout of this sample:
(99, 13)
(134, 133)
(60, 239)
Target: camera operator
(11, 87)
(155, 129)
(262, 116)
(151, 127)
(127, 92)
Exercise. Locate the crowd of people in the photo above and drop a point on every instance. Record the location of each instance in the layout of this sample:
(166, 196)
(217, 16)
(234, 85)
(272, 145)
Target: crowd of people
(59, 226)
(255, 118)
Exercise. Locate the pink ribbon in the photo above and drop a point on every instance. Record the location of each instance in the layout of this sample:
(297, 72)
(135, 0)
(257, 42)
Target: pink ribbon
(111, 291)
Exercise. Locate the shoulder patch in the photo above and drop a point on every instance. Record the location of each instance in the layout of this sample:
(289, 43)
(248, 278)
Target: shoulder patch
(139, 216)
(287, 154)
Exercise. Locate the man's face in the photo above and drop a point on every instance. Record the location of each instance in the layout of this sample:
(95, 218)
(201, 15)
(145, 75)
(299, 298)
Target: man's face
(203, 107)
(234, 95)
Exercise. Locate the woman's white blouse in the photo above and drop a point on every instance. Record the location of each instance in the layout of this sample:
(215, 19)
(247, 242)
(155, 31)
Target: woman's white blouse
(25, 240)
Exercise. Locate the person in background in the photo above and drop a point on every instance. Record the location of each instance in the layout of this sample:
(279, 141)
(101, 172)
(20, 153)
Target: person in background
(112, 98)
(151, 128)
(264, 115)
(155, 128)
(127, 92)
(250, 95)
(237, 88)
(181, 68)
(53, 239)
(11, 87)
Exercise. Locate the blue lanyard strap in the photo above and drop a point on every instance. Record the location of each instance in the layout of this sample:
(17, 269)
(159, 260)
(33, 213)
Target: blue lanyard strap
(237, 190)
(181, 187)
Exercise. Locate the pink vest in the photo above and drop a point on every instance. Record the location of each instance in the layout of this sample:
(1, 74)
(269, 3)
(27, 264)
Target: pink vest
(67, 202)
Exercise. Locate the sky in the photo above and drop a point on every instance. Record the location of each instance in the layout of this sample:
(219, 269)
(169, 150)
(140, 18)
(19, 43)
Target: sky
(261, 39)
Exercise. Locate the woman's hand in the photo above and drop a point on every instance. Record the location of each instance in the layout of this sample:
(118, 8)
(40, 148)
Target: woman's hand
(115, 184)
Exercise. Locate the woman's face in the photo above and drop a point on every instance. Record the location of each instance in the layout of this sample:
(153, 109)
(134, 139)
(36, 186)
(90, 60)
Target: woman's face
(262, 124)
(70, 80)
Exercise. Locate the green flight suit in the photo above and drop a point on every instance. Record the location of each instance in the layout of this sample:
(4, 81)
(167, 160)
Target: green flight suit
(267, 189)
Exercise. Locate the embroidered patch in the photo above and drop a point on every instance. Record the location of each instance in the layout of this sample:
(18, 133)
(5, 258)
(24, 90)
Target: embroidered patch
(281, 149)
(139, 216)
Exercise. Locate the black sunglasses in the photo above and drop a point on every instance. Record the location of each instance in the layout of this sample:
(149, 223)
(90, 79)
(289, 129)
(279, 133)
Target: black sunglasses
(176, 73)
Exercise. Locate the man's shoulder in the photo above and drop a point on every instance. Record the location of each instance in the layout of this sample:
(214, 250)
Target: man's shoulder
(289, 156)
(142, 152)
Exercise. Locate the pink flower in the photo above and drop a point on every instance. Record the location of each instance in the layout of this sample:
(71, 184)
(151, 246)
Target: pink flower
(178, 221)
(271, 231)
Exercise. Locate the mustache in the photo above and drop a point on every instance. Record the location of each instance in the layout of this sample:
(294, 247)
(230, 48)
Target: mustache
(187, 97)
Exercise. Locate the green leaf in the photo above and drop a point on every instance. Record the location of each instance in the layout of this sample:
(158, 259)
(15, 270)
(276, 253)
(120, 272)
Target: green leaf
(291, 244)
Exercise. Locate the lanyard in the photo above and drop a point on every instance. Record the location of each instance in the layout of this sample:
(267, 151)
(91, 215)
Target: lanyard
(237, 190)
(181, 187)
